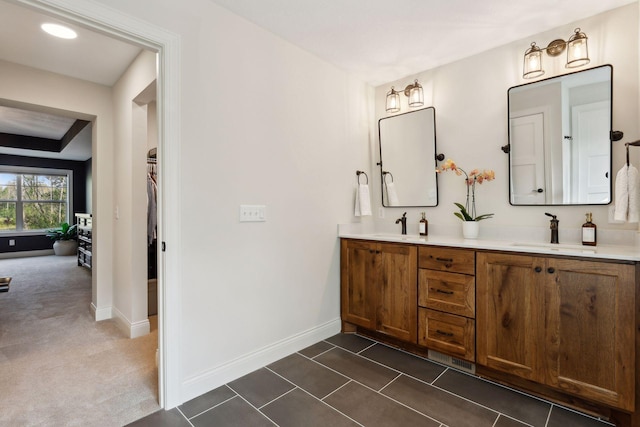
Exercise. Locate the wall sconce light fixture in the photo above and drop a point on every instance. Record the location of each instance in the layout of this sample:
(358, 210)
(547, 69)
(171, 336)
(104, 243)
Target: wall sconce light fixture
(577, 54)
(413, 91)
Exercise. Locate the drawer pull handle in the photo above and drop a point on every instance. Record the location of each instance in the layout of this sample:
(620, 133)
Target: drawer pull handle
(440, 291)
(444, 259)
(446, 334)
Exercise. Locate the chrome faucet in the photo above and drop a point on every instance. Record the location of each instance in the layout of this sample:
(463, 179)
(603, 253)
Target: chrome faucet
(554, 227)
(403, 220)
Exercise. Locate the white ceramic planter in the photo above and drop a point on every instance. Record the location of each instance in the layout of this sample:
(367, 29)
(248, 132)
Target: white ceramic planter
(65, 247)
(470, 229)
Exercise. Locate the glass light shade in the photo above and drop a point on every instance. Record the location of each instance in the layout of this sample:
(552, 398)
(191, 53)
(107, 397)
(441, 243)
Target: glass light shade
(577, 51)
(416, 95)
(532, 62)
(393, 101)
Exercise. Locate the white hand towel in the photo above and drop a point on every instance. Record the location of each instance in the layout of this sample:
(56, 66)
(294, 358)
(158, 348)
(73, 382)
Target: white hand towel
(392, 195)
(634, 196)
(363, 201)
(622, 194)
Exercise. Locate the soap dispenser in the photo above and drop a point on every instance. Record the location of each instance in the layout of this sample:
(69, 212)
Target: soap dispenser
(424, 226)
(589, 232)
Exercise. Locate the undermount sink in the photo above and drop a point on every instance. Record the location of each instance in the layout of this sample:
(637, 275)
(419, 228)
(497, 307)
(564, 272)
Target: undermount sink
(556, 247)
(397, 236)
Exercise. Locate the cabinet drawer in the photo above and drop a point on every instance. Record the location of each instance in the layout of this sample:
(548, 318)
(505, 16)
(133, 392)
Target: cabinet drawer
(451, 292)
(447, 333)
(443, 259)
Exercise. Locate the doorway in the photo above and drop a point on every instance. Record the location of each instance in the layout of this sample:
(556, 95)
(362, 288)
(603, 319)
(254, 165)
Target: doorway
(110, 21)
(116, 24)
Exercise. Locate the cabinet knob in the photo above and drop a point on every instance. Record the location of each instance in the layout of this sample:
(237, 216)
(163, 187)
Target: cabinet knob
(551, 270)
(538, 269)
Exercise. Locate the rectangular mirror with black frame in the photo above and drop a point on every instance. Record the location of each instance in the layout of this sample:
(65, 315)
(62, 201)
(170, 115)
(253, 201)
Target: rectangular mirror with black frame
(559, 139)
(408, 159)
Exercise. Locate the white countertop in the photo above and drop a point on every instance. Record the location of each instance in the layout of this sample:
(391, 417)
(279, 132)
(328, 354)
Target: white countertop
(614, 252)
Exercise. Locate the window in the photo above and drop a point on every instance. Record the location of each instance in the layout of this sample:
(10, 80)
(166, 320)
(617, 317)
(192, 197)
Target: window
(34, 199)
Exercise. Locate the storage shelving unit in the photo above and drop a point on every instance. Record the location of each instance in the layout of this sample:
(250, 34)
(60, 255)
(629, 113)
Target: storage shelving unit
(85, 239)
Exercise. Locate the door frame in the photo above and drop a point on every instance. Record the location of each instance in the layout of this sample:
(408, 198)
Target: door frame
(167, 45)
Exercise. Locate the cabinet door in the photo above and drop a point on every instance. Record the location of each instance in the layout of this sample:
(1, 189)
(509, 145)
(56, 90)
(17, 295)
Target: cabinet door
(590, 330)
(397, 294)
(358, 275)
(509, 298)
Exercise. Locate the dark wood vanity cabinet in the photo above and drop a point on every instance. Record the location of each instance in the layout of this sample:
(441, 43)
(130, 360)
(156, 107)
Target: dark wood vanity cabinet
(378, 290)
(568, 324)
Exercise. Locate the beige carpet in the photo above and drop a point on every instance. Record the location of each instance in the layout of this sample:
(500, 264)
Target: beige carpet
(58, 367)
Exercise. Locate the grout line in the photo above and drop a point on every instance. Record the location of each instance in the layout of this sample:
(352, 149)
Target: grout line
(438, 377)
(600, 420)
(339, 388)
(277, 398)
(546, 423)
(214, 406)
(185, 417)
(253, 406)
(387, 384)
(331, 407)
(501, 415)
(365, 349)
(319, 354)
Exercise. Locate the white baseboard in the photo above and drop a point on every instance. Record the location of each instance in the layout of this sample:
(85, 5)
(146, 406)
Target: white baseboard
(131, 329)
(103, 313)
(24, 254)
(214, 378)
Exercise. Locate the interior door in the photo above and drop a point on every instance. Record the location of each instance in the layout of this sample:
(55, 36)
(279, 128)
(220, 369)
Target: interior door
(590, 151)
(527, 159)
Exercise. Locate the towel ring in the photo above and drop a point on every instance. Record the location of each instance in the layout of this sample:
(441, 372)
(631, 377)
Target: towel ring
(358, 173)
(384, 176)
(632, 144)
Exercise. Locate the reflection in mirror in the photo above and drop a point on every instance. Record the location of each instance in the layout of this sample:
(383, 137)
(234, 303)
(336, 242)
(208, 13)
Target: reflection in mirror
(408, 159)
(559, 140)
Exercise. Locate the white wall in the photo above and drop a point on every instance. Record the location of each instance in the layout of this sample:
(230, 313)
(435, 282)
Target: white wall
(89, 101)
(470, 98)
(130, 198)
(263, 122)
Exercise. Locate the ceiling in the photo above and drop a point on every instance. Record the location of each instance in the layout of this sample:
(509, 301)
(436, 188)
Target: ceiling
(376, 40)
(92, 56)
(382, 40)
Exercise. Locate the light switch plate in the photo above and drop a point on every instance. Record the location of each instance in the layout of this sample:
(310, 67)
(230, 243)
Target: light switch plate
(253, 213)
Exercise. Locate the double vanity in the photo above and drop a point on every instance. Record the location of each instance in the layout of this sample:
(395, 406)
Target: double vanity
(558, 321)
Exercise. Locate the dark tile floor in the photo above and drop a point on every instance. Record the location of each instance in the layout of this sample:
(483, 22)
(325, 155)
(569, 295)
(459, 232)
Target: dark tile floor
(349, 380)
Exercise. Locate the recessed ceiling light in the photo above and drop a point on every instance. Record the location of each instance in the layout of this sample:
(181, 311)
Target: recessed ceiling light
(59, 31)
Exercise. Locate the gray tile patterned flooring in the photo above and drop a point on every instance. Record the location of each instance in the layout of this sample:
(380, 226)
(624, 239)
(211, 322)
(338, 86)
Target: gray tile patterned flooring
(349, 380)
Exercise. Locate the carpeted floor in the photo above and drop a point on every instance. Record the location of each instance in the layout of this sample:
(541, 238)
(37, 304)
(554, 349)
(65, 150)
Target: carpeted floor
(58, 367)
